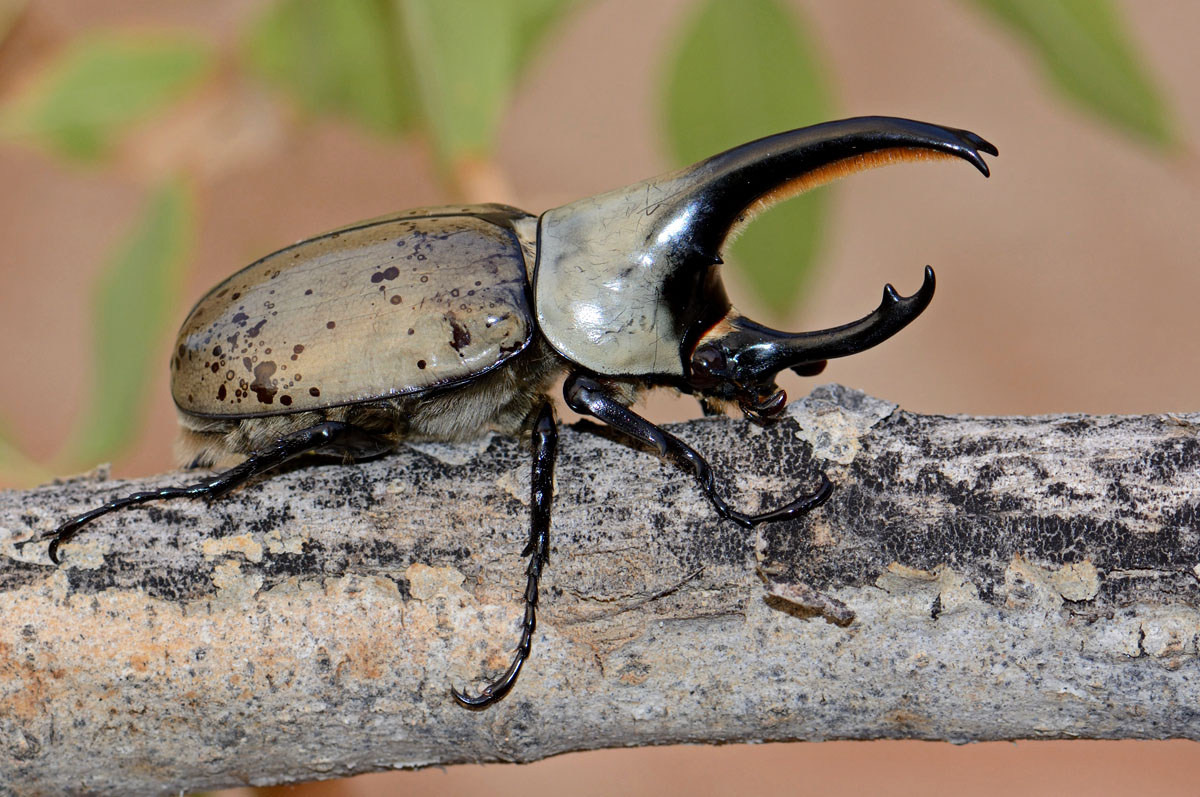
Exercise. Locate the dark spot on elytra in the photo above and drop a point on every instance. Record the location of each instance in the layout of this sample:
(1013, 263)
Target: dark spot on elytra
(462, 336)
(477, 283)
(248, 363)
(330, 325)
(314, 392)
(421, 364)
(253, 331)
(221, 293)
(396, 299)
(235, 296)
(424, 278)
(240, 319)
(389, 273)
(263, 385)
(216, 367)
(308, 292)
(411, 330)
(221, 393)
(216, 351)
(454, 293)
(229, 374)
(285, 400)
(182, 350)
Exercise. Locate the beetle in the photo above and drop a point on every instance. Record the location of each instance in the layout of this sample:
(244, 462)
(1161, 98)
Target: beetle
(446, 323)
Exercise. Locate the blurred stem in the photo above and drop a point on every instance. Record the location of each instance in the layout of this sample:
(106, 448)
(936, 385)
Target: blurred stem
(481, 180)
(18, 470)
(10, 15)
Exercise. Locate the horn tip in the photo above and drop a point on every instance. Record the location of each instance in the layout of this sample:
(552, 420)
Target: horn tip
(978, 144)
(891, 296)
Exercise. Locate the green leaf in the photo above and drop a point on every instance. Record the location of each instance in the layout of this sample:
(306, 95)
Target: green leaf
(345, 58)
(465, 61)
(1085, 51)
(466, 57)
(535, 19)
(745, 70)
(100, 84)
(134, 306)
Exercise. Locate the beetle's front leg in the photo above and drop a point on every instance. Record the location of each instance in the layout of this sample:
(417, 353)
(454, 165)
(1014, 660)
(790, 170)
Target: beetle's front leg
(545, 447)
(587, 396)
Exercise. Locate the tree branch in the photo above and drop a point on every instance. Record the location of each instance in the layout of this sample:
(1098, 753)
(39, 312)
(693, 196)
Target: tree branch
(970, 579)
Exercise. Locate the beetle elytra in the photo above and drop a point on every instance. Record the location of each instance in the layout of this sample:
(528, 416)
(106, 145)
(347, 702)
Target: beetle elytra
(447, 323)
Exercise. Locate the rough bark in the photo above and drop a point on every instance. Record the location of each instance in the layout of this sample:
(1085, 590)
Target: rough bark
(970, 579)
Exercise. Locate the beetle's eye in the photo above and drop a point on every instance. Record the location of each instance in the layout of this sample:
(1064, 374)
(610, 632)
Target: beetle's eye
(709, 366)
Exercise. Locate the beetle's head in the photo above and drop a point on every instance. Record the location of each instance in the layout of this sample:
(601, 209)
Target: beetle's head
(627, 283)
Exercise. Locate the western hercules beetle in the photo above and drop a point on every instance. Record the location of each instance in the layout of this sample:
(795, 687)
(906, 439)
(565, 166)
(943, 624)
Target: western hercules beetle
(625, 295)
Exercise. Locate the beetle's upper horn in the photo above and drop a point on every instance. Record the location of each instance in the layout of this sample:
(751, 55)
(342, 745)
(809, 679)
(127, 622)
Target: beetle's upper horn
(729, 188)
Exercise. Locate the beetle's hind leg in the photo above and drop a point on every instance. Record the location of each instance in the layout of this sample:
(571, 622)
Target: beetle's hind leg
(327, 437)
(545, 446)
(588, 397)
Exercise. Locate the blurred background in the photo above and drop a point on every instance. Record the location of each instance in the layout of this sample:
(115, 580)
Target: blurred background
(148, 149)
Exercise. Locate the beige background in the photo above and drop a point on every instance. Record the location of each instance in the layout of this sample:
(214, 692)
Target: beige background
(1068, 282)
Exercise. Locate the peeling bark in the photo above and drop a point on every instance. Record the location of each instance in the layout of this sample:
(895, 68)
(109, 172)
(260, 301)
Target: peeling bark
(970, 579)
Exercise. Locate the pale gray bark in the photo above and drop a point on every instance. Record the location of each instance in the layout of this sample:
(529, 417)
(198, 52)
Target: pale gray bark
(970, 579)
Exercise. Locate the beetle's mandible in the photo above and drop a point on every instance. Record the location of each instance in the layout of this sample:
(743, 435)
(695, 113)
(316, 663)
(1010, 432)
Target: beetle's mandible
(472, 312)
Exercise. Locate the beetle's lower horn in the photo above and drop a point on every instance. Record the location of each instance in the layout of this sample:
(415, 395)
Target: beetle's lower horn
(750, 353)
(894, 313)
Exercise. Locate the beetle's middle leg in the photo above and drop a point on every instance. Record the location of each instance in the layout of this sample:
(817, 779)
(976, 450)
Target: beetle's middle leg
(545, 447)
(329, 437)
(588, 397)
